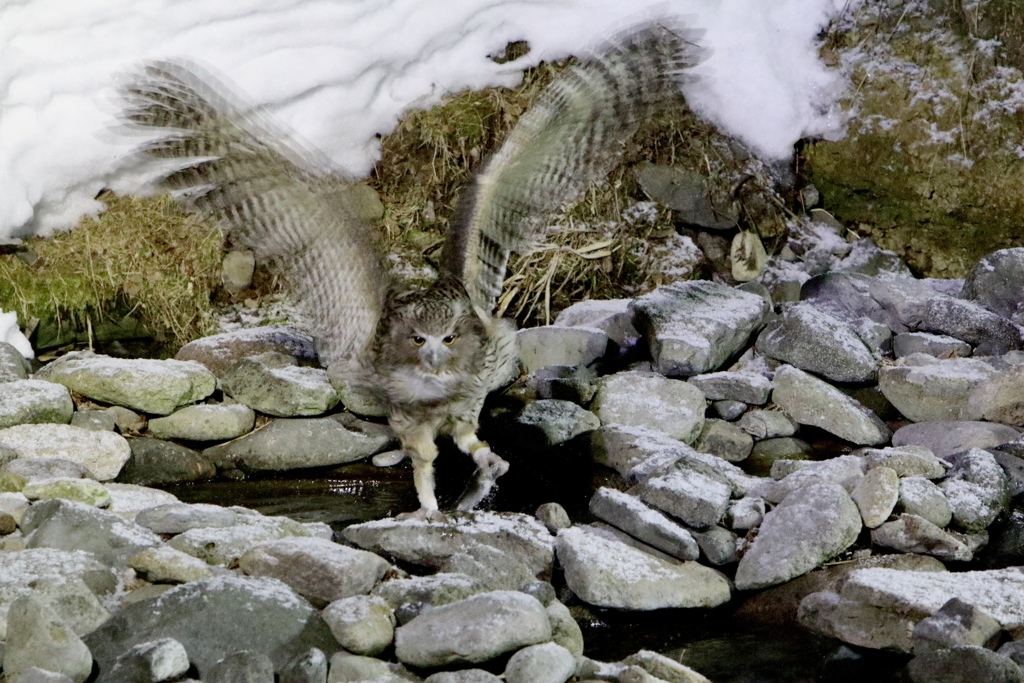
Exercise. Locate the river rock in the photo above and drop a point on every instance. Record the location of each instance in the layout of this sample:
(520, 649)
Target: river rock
(543, 663)
(963, 664)
(549, 422)
(362, 624)
(611, 316)
(540, 347)
(175, 518)
(564, 629)
(127, 500)
(26, 401)
(725, 440)
(698, 498)
(13, 365)
(18, 473)
(997, 283)
(462, 676)
(927, 389)
(910, 533)
(472, 630)
(948, 437)
(68, 525)
(845, 470)
(432, 543)
(408, 597)
(937, 345)
(605, 572)
(307, 667)
(273, 384)
(646, 399)
(976, 488)
(810, 401)
(748, 387)
(812, 340)
(155, 461)
(644, 523)
(318, 569)
(302, 442)
(224, 546)
(876, 495)
(956, 623)
(205, 422)
(635, 452)
(159, 660)
(164, 564)
(693, 327)
(350, 668)
(497, 569)
(919, 496)
(152, 386)
(103, 453)
(990, 334)
(998, 398)
(812, 524)
(243, 666)
(220, 351)
(767, 424)
(717, 543)
(84, 491)
(38, 637)
(99, 420)
(906, 461)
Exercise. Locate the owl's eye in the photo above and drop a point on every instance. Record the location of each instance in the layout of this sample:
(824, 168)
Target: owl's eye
(449, 340)
(418, 340)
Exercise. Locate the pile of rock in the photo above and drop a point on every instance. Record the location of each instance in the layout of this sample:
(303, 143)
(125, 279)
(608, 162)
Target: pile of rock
(717, 492)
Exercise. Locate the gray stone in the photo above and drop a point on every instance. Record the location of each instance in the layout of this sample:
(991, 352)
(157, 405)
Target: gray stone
(998, 398)
(766, 453)
(25, 401)
(159, 660)
(686, 192)
(876, 495)
(103, 453)
(38, 637)
(553, 516)
(876, 336)
(1013, 650)
(472, 630)
(82, 490)
(956, 623)
(19, 472)
(67, 525)
(645, 399)
(817, 342)
(302, 442)
(965, 664)
(164, 564)
(906, 461)
(729, 410)
(564, 629)
(174, 518)
(98, 420)
(845, 470)
(243, 666)
(220, 351)
(717, 543)
(948, 437)
(989, 333)
(997, 283)
(497, 569)
(307, 667)
(1013, 466)
(73, 601)
(409, 597)
(152, 386)
(976, 488)
(748, 387)
(696, 497)
(318, 569)
(432, 543)
(927, 389)
(540, 347)
(205, 422)
(938, 345)
(215, 616)
(910, 533)
(919, 496)
(767, 424)
(611, 316)
(746, 513)
(34, 674)
(272, 383)
(694, 327)
(462, 676)
(811, 401)
(550, 421)
(13, 365)
(543, 663)
(663, 668)
(224, 546)
(811, 525)
(567, 383)
(644, 523)
(725, 440)
(155, 461)
(362, 624)
(349, 668)
(605, 572)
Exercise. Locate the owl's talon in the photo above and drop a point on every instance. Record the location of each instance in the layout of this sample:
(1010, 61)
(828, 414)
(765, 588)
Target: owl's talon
(424, 514)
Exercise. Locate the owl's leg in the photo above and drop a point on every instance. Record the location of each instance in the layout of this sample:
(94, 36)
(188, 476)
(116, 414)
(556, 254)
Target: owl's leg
(489, 465)
(419, 444)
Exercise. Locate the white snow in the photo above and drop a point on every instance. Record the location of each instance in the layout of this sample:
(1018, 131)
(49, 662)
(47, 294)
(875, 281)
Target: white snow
(9, 330)
(339, 73)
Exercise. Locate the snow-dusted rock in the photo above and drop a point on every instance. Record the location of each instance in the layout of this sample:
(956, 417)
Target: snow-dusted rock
(498, 569)
(38, 637)
(876, 495)
(273, 384)
(174, 518)
(812, 340)
(224, 546)
(811, 401)
(919, 496)
(81, 490)
(938, 345)
(309, 667)
(767, 424)
(746, 513)
(220, 351)
(302, 442)
(812, 524)
(217, 616)
(432, 543)
(12, 364)
(956, 623)
(316, 568)
(976, 488)
(553, 516)
(551, 421)
(67, 525)
(164, 564)
(694, 327)
(997, 283)
(540, 347)
(910, 533)
(605, 572)
(25, 401)
(845, 470)
(100, 420)
(990, 334)
(646, 399)
(998, 398)
(644, 523)
(611, 316)
(542, 663)
(205, 422)
(635, 452)
(906, 461)
(362, 624)
(725, 440)
(163, 659)
(927, 389)
(717, 543)
(103, 453)
(948, 437)
(18, 473)
(847, 296)
(127, 500)
(152, 386)
(564, 629)
(472, 630)
(749, 387)
(463, 676)
(408, 597)
(698, 497)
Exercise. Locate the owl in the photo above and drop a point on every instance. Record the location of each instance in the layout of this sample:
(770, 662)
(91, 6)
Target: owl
(428, 355)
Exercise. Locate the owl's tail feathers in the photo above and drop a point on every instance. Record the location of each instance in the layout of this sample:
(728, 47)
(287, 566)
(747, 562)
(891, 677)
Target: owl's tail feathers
(571, 137)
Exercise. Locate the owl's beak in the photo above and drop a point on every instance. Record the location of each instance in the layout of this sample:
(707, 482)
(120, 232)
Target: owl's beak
(434, 354)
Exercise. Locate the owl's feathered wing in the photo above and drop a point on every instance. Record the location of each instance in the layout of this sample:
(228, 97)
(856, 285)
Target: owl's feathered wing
(571, 137)
(273, 196)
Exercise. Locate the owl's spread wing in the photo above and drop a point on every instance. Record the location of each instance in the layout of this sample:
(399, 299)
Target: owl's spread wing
(569, 138)
(272, 195)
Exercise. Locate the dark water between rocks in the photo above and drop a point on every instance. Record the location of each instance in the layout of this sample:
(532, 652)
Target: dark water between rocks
(710, 641)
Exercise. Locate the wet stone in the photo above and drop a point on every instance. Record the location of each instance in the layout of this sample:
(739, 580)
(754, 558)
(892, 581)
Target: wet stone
(155, 461)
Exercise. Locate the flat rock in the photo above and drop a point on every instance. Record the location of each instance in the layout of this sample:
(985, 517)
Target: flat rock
(811, 525)
(127, 500)
(814, 341)
(910, 533)
(81, 490)
(938, 345)
(103, 453)
(947, 437)
(217, 616)
(605, 572)
(26, 401)
(152, 386)
(810, 401)
(156, 461)
(69, 525)
(927, 389)
(645, 399)
(644, 523)
(407, 597)
(472, 630)
(225, 545)
(906, 461)
(749, 387)
(176, 518)
(997, 283)
(692, 494)
(998, 398)
(39, 637)
(919, 496)
(551, 421)
(694, 327)
(725, 440)
(611, 316)
(164, 564)
(17, 473)
(205, 422)
(767, 424)
(295, 443)
(220, 351)
(990, 334)
(273, 384)
(163, 659)
(540, 347)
